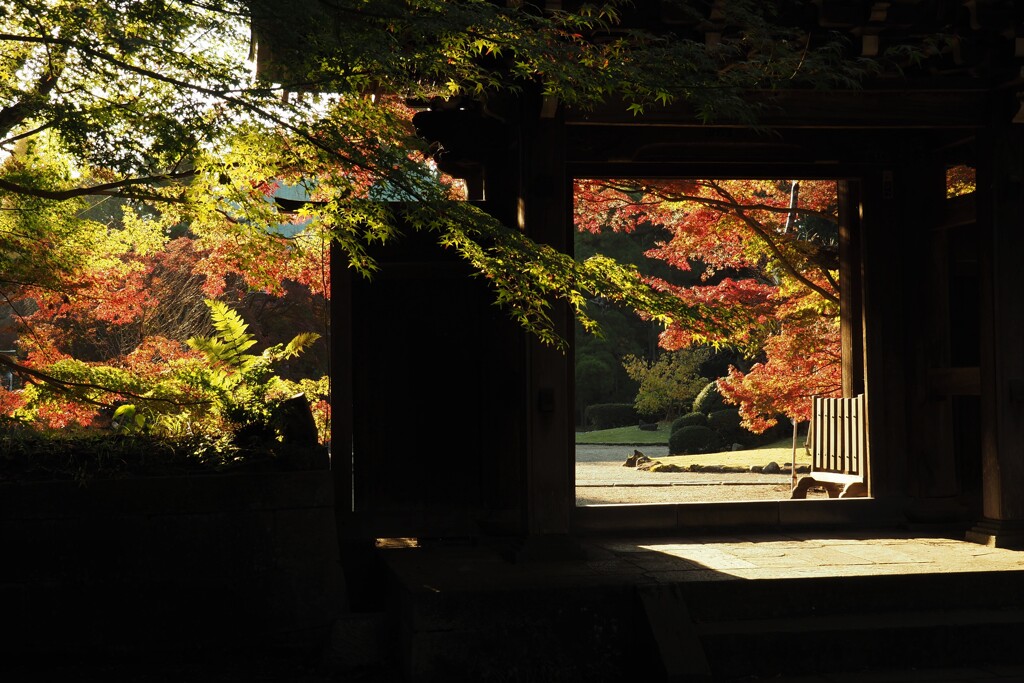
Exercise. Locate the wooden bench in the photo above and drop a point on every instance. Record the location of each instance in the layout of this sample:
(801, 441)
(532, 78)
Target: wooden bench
(839, 447)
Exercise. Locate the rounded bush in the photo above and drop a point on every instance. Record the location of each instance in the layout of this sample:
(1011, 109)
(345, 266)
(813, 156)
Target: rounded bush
(689, 420)
(693, 439)
(709, 400)
(726, 423)
(727, 418)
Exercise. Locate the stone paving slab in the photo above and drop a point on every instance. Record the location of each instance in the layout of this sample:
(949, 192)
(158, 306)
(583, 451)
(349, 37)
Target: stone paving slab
(976, 674)
(704, 558)
(782, 556)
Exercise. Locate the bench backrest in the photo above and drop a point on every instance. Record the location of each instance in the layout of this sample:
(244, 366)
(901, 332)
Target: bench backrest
(839, 435)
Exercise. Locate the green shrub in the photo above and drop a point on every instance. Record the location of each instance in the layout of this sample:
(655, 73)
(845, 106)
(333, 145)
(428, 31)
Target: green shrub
(725, 419)
(726, 423)
(693, 439)
(689, 420)
(709, 400)
(609, 415)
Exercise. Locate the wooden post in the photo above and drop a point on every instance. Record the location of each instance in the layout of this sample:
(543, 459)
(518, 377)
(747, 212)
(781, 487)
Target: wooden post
(340, 345)
(851, 283)
(545, 214)
(1000, 222)
(792, 462)
(884, 322)
(930, 416)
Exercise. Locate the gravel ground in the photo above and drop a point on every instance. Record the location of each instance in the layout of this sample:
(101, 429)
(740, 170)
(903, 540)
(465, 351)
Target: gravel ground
(601, 479)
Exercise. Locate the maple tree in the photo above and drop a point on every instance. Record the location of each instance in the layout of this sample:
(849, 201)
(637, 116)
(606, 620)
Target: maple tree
(767, 253)
(152, 108)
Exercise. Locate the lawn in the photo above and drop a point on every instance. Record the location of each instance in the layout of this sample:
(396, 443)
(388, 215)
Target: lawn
(780, 451)
(624, 436)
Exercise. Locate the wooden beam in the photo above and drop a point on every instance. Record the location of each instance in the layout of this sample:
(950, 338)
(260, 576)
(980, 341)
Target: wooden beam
(819, 151)
(890, 108)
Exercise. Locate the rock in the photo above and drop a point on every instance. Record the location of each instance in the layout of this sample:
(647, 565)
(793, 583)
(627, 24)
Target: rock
(636, 459)
(772, 468)
(295, 422)
(757, 469)
(738, 447)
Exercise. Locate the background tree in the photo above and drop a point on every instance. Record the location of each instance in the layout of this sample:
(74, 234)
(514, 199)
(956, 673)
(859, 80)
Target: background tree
(669, 384)
(767, 254)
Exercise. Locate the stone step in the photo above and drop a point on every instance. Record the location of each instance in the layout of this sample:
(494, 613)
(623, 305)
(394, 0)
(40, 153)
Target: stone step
(473, 617)
(772, 598)
(730, 630)
(863, 642)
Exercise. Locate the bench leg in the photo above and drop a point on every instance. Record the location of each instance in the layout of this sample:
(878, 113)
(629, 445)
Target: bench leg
(834, 490)
(857, 489)
(802, 487)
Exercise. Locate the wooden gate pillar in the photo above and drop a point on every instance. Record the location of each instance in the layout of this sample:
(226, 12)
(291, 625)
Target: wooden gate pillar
(882, 245)
(545, 214)
(1001, 222)
(851, 303)
(930, 448)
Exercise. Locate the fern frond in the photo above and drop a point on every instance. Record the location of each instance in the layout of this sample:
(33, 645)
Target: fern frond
(229, 346)
(299, 343)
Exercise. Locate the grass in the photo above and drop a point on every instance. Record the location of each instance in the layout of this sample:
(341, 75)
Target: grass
(624, 436)
(780, 451)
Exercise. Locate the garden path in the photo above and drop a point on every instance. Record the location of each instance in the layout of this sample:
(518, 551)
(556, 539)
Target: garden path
(602, 479)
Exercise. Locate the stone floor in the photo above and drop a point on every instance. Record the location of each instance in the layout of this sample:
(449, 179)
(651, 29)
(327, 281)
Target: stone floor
(792, 555)
(672, 560)
(653, 560)
(660, 559)
(977, 674)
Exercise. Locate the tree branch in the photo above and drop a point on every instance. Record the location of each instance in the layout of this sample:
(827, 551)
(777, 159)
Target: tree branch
(196, 87)
(710, 201)
(102, 189)
(23, 109)
(68, 387)
(758, 229)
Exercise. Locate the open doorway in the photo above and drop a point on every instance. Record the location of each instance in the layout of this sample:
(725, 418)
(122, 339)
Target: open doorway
(713, 405)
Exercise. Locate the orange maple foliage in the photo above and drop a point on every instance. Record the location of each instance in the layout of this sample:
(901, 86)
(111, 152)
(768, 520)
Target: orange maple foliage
(767, 255)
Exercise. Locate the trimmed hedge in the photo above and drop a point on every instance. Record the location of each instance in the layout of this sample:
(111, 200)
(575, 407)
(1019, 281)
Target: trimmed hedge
(726, 424)
(692, 440)
(725, 419)
(610, 415)
(709, 400)
(689, 420)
